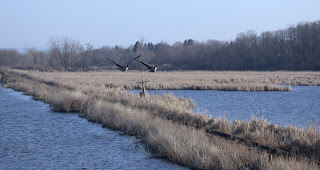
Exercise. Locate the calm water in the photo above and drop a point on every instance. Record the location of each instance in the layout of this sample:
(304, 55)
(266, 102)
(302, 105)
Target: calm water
(34, 137)
(299, 107)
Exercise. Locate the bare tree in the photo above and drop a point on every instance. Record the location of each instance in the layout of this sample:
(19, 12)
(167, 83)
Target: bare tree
(10, 58)
(64, 53)
(294, 48)
(36, 57)
(86, 55)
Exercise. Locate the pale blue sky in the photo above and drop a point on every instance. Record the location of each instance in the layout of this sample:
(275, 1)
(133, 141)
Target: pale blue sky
(31, 23)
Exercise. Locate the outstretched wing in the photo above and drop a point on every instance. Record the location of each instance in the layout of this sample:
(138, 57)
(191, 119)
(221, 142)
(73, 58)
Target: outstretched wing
(134, 59)
(115, 63)
(147, 65)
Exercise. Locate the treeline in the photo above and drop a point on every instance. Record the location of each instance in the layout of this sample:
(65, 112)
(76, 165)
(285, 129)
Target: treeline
(294, 48)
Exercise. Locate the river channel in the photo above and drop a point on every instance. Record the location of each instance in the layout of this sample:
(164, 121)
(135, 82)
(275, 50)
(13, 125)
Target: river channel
(35, 137)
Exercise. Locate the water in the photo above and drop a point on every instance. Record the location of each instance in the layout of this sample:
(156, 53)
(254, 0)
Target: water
(34, 137)
(300, 107)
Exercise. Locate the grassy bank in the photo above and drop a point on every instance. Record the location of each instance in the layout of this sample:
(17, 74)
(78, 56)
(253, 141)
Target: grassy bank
(147, 118)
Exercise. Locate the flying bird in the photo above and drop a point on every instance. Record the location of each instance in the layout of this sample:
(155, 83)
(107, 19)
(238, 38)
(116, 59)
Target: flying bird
(151, 68)
(124, 68)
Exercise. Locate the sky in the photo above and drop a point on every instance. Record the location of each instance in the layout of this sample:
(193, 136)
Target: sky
(31, 23)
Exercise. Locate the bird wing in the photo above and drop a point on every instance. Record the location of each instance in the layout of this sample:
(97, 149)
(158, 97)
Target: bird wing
(134, 59)
(116, 63)
(145, 64)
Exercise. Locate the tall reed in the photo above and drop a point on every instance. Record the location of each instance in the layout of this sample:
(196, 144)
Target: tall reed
(148, 118)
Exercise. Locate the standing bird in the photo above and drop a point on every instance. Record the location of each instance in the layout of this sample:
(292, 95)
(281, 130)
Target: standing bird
(124, 68)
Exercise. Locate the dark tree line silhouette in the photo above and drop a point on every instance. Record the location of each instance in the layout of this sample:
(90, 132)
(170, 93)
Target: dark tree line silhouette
(294, 48)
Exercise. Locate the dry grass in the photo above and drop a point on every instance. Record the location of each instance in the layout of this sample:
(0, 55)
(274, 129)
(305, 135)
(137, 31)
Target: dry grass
(304, 142)
(87, 93)
(189, 80)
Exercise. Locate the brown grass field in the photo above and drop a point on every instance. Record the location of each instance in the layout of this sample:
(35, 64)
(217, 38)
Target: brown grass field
(101, 97)
(189, 80)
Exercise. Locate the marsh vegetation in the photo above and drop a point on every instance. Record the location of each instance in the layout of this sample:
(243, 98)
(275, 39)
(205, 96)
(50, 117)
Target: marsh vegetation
(186, 80)
(101, 97)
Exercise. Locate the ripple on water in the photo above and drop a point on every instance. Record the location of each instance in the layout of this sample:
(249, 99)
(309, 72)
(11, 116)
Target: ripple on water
(299, 107)
(34, 137)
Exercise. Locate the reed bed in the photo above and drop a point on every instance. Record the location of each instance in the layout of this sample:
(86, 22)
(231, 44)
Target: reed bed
(147, 118)
(192, 80)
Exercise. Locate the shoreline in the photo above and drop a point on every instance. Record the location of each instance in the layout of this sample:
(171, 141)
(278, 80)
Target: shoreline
(148, 118)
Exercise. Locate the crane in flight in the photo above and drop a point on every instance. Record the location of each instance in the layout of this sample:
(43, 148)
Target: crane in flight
(122, 67)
